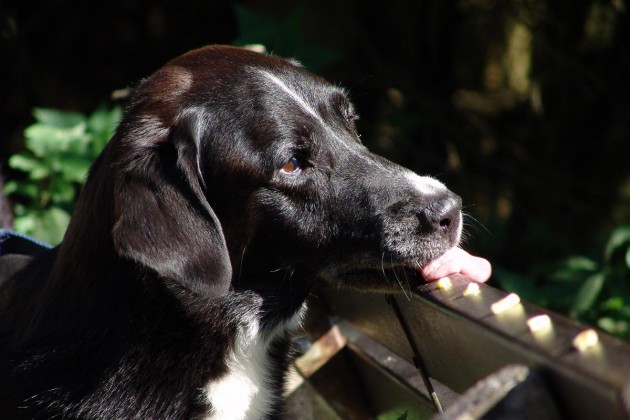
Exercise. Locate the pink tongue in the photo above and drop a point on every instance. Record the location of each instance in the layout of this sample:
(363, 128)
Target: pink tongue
(457, 261)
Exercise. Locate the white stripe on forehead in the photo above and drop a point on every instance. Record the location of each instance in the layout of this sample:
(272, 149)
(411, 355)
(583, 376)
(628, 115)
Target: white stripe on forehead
(293, 94)
(310, 111)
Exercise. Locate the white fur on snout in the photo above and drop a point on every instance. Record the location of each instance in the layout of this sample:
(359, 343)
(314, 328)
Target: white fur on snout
(425, 184)
(431, 187)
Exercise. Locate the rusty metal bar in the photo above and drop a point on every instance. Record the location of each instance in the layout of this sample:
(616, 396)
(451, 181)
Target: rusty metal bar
(417, 357)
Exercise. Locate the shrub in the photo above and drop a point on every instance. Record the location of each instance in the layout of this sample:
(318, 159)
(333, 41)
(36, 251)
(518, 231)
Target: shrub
(592, 290)
(61, 146)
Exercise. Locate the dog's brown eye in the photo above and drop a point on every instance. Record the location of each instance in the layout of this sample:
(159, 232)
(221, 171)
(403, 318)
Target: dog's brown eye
(292, 166)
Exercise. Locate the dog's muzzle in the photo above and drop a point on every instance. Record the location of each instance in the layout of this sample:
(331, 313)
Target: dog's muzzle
(443, 216)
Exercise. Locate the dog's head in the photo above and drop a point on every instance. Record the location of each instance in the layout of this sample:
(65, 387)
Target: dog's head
(234, 169)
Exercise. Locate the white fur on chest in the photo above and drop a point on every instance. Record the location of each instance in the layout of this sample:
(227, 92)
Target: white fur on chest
(245, 391)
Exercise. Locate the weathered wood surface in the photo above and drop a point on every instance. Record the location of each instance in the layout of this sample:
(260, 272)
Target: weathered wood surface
(462, 341)
(515, 392)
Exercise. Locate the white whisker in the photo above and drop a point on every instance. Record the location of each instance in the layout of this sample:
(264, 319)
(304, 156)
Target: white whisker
(383, 267)
(391, 263)
(240, 268)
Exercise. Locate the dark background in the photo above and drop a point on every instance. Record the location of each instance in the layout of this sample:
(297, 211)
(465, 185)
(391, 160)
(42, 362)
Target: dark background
(521, 107)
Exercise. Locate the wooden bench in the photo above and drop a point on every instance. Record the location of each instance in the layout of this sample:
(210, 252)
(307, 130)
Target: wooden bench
(438, 347)
(443, 348)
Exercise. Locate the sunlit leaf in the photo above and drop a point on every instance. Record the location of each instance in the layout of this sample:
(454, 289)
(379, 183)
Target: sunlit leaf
(101, 124)
(47, 225)
(403, 416)
(613, 326)
(24, 162)
(579, 263)
(34, 167)
(10, 187)
(620, 237)
(393, 414)
(612, 304)
(62, 145)
(58, 118)
(24, 223)
(573, 269)
(61, 191)
(588, 294)
(44, 140)
(74, 168)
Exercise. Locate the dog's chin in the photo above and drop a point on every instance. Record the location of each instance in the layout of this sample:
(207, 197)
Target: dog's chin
(401, 276)
(388, 280)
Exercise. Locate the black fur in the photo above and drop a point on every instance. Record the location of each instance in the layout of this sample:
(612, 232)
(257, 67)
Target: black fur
(188, 225)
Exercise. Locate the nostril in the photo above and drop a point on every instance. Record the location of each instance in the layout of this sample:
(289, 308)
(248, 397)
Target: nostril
(442, 214)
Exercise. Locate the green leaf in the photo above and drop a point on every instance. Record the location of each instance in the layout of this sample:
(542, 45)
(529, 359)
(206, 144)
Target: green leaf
(403, 416)
(46, 140)
(61, 191)
(614, 326)
(613, 304)
(77, 145)
(10, 187)
(101, 124)
(47, 225)
(628, 257)
(24, 223)
(24, 162)
(58, 118)
(34, 167)
(588, 294)
(25, 188)
(393, 414)
(63, 146)
(74, 167)
(53, 225)
(620, 237)
(573, 269)
(579, 263)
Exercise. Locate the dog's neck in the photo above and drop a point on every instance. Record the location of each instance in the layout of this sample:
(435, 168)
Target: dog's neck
(282, 292)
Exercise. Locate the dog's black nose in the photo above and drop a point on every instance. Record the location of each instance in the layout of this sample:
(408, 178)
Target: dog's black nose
(442, 215)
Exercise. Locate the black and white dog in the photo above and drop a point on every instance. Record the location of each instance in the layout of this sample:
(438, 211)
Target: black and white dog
(235, 185)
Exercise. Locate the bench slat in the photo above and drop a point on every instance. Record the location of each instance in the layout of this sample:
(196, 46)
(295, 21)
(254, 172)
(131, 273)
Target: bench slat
(462, 341)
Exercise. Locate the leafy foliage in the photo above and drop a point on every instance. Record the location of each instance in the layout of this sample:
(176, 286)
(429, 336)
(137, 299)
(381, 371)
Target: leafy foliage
(403, 416)
(593, 291)
(61, 146)
(393, 415)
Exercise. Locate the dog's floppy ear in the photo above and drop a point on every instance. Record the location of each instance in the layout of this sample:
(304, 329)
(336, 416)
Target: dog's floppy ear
(163, 220)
